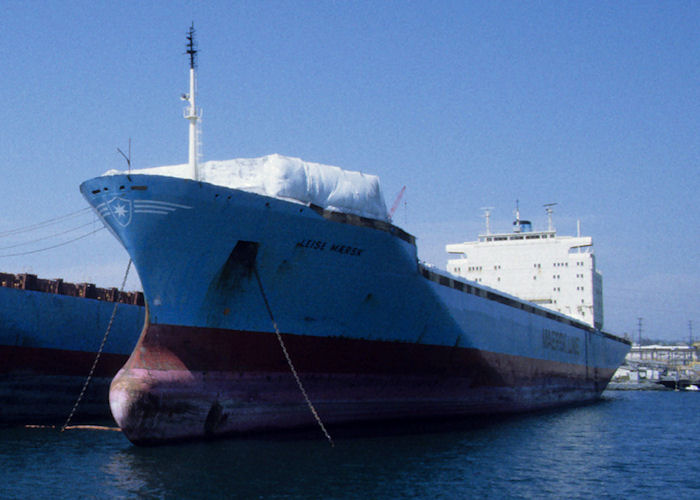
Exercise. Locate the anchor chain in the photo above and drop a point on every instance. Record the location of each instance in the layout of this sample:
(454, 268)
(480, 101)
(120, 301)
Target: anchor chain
(99, 353)
(289, 359)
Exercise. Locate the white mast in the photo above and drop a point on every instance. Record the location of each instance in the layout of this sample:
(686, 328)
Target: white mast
(517, 228)
(487, 215)
(548, 208)
(191, 112)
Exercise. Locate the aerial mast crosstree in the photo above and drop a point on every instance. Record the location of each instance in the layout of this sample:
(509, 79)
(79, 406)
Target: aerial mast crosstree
(191, 112)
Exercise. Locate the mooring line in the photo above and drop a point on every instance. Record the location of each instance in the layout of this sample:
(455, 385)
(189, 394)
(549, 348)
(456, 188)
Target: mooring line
(289, 360)
(99, 353)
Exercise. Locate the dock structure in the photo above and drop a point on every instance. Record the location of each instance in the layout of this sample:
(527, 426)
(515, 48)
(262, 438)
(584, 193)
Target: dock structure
(660, 364)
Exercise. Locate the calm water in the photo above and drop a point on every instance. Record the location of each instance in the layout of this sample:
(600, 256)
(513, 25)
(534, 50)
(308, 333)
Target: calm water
(630, 445)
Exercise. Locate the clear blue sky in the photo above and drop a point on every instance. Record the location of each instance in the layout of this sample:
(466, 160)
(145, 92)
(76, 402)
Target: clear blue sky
(592, 105)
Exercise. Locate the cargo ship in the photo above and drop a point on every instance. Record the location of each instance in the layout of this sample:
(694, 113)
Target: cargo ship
(257, 270)
(50, 332)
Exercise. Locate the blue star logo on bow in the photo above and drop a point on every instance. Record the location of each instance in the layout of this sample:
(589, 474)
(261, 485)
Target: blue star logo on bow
(121, 210)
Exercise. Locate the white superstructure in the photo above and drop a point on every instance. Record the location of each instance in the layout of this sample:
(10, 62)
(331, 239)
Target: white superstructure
(556, 272)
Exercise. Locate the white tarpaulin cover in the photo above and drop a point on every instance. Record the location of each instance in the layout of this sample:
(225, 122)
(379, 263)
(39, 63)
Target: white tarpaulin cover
(289, 178)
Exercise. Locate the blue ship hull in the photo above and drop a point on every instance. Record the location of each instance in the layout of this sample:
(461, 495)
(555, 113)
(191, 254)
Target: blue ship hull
(373, 334)
(48, 342)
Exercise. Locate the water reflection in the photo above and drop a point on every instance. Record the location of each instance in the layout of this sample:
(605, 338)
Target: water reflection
(630, 445)
(397, 460)
(377, 461)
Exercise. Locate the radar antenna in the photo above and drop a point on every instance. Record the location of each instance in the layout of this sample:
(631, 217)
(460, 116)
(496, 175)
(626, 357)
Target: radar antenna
(487, 216)
(548, 208)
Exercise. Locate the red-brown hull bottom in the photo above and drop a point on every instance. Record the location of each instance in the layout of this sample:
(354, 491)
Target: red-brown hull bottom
(40, 386)
(185, 382)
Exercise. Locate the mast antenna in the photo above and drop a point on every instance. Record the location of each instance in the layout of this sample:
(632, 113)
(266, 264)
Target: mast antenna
(516, 224)
(191, 112)
(487, 215)
(191, 47)
(548, 208)
(690, 333)
(127, 157)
